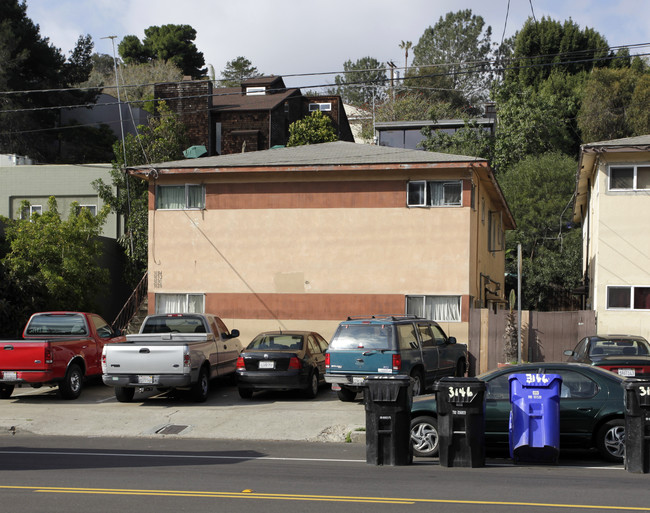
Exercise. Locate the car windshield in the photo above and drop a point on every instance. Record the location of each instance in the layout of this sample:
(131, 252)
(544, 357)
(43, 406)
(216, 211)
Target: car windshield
(363, 336)
(281, 342)
(176, 324)
(57, 324)
(619, 347)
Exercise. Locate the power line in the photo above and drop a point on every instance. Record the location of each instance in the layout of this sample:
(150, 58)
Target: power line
(367, 70)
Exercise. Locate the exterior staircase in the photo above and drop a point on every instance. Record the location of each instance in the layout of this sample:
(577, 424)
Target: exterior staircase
(134, 310)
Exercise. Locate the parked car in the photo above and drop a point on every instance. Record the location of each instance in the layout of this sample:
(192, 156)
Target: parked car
(57, 349)
(385, 345)
(626, 355)
(591, 410)
(282, 360)
(172, 351)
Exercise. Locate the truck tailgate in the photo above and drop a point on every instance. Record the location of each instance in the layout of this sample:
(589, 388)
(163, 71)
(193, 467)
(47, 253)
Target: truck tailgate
(155, 358)
(23, 354)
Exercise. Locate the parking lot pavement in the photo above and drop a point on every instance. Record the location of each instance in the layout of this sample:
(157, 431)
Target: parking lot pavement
(268, 416)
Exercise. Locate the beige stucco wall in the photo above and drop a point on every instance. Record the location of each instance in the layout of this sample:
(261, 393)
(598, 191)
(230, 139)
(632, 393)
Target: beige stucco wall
(356, 251)
(619, 247)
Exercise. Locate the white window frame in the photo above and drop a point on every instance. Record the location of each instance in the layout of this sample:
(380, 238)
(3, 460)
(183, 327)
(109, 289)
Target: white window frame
(187, 188)
(631, 298)
(323, 107)
(635, 168)
(91, 208)
(425, 184)
(183, 302)
(255, 91)
(33, 209)
(454, 308)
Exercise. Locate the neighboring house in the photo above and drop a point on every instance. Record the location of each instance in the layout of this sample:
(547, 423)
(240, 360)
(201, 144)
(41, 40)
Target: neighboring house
(106, 111)
(67, 183)
(255, 116)
(301, 238)
(357, 117)
(613, 204)
(408, 134)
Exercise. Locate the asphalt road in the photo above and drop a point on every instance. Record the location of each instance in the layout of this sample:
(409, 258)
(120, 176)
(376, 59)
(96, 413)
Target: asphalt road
(40, 474)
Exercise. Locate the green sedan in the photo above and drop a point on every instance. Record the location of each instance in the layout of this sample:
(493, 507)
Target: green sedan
(591, 410)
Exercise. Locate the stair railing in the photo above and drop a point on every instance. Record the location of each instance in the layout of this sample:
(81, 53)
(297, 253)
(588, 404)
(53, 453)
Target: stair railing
(132, 305)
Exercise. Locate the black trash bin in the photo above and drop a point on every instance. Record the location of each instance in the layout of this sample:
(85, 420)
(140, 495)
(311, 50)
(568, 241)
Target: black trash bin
(637, 425)
(461, 422)
(388, 420)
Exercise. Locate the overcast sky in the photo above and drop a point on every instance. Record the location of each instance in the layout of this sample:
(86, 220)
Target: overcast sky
(287, 37)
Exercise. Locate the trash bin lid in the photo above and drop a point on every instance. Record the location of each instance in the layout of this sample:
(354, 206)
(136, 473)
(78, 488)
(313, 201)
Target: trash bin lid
(535, 380)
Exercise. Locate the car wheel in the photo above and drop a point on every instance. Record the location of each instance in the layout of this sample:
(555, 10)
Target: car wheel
(201, 388)
(346, 395)
(245, 393)
(6, 391)
(460, 369)
(418, 383)
(124, 394)
(610, 440)
(312, 387)
(424, 436)
(72, 383)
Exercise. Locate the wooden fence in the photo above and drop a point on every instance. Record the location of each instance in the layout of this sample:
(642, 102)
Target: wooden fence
(545, 336)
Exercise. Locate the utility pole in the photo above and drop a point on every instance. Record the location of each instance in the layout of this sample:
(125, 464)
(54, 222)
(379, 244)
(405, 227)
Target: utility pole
(119, 107)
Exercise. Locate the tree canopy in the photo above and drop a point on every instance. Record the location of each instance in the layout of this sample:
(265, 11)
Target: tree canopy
(315, 128)
(162, 140)
(28, 61)
(545, 46)
(364, 81)
(539, 190)
(167, 43)
(451, 61)
(52, 263)
(238, 70)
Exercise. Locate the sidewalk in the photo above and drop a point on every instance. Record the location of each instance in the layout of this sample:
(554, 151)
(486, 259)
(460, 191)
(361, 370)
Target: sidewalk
(268, 416)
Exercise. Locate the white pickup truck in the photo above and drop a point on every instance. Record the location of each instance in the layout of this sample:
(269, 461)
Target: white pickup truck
(172, 351)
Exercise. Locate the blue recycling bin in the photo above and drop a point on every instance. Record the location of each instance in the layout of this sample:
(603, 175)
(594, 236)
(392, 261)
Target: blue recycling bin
(534, 428)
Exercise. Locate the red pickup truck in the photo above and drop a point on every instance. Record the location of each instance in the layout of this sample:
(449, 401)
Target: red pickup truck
(57, 349)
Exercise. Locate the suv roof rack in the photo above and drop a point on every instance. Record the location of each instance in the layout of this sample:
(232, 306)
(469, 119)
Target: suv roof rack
(381, 316)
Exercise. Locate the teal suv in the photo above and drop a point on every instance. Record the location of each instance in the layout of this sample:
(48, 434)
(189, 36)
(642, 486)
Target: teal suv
(391, 345)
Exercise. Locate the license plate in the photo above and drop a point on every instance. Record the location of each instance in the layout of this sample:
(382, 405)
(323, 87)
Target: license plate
(267, 365)
(358, 380)
(145, 379)
(626, 372)
(9, 375)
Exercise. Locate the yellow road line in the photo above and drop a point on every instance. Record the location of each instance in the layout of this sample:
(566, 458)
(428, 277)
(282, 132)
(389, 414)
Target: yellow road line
(322, 498)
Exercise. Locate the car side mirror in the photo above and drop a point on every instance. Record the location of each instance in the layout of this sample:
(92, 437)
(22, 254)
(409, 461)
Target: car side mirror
(568, 352)
(118, 333)
(234, 333)
(451, 340)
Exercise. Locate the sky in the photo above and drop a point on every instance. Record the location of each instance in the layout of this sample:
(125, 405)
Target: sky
(296, 37)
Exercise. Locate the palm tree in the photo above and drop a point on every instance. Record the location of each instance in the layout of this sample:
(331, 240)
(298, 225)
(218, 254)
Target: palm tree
(405, 45)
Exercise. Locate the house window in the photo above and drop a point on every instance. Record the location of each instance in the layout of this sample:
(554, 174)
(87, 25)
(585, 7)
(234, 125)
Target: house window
(629, 178)
(26, 213)
(180, 197)
(435, 308)
(496, 239)
(628, 298)
(323, 107)
(421, 193)
(180, 303)
(254, 91)
(91, 208)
